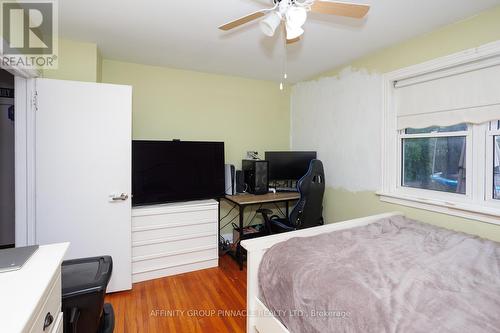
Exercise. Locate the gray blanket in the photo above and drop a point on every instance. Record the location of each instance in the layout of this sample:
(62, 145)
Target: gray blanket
(396, 275)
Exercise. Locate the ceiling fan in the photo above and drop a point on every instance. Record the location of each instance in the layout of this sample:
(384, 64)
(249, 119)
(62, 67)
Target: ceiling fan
(293, 14)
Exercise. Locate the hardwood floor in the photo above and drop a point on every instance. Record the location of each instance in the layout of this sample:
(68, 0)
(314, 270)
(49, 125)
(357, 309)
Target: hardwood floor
(211, 300)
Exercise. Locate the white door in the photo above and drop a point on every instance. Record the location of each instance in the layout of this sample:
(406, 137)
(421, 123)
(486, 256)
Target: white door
(83, 157)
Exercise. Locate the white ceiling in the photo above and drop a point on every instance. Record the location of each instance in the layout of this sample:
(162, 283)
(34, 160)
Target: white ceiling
(183, 33)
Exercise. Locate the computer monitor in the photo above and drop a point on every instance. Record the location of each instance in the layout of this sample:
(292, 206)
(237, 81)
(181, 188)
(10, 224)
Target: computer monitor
(288, 165)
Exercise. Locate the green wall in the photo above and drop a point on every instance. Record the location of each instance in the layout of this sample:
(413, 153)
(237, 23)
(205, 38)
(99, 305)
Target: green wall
(475, 31)
(341, 204)
(169, 103)
(77, 61)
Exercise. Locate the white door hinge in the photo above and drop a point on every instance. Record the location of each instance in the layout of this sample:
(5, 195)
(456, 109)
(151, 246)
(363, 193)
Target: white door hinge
(35, 101)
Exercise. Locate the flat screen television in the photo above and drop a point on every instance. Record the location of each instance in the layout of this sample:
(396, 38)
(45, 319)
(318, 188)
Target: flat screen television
(288, 165)
(172, 171)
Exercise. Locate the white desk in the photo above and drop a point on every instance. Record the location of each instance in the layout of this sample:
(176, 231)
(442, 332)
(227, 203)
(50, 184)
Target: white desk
(28, 295)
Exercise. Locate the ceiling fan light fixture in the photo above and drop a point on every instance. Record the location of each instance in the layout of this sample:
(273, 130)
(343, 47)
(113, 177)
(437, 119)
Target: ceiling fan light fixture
(270, 23)
(296, 16)
(293, 32)
(293, 13)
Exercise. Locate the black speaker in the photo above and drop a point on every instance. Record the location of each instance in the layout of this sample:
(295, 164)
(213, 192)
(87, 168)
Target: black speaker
(256, 175)
(241, 187)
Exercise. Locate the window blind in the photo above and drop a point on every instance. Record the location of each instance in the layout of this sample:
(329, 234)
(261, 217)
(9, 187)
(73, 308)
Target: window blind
(465, 94)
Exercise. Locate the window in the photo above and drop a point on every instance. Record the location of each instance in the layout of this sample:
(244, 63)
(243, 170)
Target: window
(435, 162)
(456, 167)
(442, 135)
(495, 127)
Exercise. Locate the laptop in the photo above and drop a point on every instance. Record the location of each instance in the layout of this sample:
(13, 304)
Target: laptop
(14, 259)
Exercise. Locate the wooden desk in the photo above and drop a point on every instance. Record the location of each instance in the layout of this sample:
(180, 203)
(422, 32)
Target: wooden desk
(245, 200)
(252, 199)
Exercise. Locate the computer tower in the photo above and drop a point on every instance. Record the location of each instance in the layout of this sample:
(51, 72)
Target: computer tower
(241, 187)
(256, 175)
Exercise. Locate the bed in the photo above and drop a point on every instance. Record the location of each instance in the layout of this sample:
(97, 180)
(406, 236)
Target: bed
(382, 273)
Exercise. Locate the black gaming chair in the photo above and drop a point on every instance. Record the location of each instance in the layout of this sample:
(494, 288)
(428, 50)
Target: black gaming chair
(308, 212)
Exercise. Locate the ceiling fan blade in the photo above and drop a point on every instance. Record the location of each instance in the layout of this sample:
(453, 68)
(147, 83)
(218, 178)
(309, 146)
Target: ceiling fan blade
(243, 20)
(340, 8)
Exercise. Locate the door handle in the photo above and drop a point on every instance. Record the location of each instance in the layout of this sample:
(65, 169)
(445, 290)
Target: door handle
(118, 197)
(49, 319)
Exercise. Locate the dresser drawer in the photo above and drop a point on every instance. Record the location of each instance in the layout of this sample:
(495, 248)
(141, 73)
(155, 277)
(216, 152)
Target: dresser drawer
(50, 310)
(159, 262)
(174, 238)
(155, 232)
(174, 244)
(175, 218)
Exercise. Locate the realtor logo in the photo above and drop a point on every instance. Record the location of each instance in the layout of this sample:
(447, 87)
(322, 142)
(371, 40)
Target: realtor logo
(29, 32)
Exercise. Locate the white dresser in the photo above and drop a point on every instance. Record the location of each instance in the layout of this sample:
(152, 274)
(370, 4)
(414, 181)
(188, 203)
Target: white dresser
(174, 238)
(30, 298)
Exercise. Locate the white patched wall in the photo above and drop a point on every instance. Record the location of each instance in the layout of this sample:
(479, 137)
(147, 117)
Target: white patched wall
(341, 118)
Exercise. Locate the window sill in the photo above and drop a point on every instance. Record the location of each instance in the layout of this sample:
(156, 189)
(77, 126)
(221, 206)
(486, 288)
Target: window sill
(464, 210)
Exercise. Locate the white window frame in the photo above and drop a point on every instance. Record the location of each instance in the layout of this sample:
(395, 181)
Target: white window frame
(442, 195)
(490, 135)
(478, 202)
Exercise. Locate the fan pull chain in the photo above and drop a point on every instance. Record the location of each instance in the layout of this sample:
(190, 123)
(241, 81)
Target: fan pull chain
(284, 75)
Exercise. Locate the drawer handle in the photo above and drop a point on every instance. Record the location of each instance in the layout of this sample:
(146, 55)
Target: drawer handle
(49, 319)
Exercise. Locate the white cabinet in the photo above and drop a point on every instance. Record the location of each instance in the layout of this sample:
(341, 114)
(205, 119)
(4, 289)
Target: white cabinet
(174, 238)
(50, 311)
(31, 297)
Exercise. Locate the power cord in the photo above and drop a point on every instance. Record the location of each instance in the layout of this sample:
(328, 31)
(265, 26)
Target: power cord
(225, 225)
(232, 208)
(281, 212)
(224, 246)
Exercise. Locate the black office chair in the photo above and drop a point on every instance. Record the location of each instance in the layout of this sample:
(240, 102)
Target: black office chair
(308, 212)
